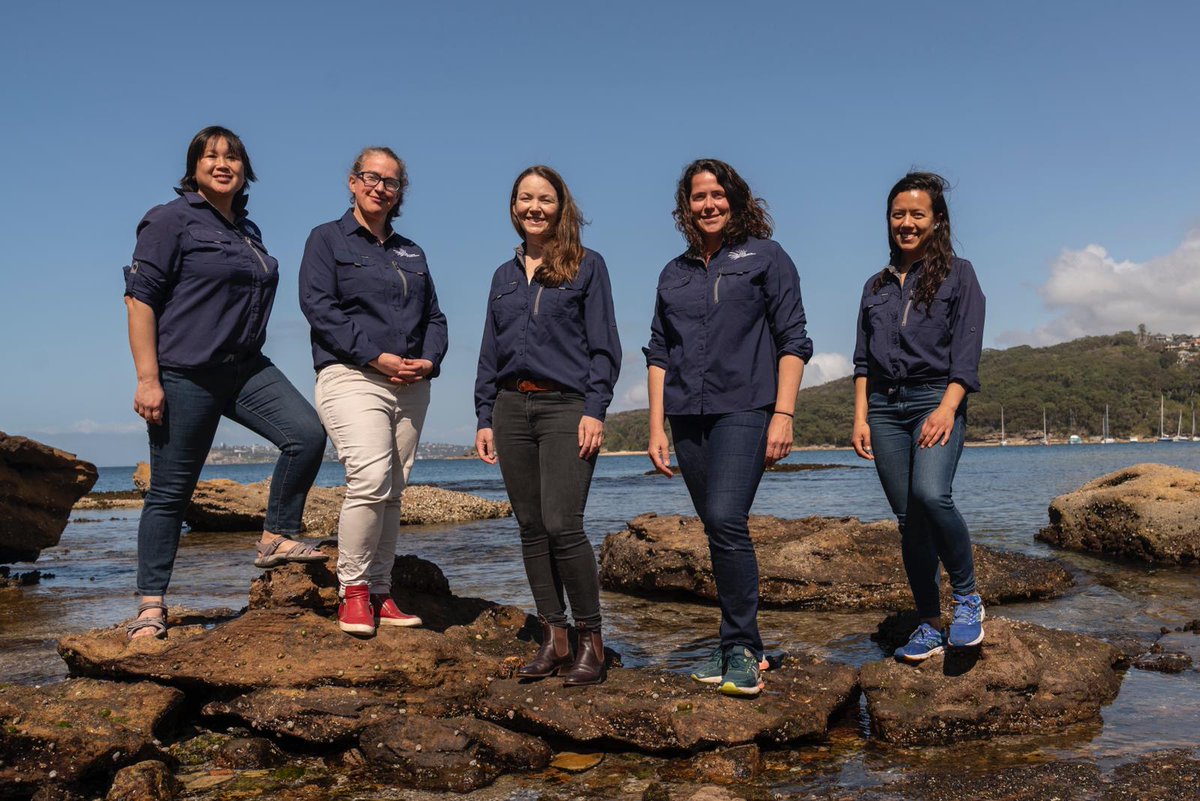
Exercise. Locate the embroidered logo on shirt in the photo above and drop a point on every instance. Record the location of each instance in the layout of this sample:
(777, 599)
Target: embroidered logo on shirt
(405, 253)
(740, 254)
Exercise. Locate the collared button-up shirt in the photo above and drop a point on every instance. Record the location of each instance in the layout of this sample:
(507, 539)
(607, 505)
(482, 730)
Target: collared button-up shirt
(363, 299)
(719, 332)
(900, 341)
(210, 282)
(566, 334)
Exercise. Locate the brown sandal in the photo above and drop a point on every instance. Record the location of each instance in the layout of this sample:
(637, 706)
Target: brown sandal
(159, 624)
(269, 555)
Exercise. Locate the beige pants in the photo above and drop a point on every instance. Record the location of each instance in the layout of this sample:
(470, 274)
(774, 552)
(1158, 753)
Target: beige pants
(375, 426)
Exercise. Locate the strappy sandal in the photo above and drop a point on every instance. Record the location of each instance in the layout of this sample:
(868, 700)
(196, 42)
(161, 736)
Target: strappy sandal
(269, 555)
(159, 624)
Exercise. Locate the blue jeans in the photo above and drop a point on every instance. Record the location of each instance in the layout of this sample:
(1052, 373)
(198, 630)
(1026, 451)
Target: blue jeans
(722, 459)
(917, 482)
(252, 392)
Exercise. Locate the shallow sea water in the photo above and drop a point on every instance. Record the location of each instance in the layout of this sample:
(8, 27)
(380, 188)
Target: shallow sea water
(1002, 492)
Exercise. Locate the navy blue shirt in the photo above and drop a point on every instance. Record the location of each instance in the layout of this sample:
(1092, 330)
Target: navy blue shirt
(566, 334)
(719, 332)
(211, 283)
(901, 341)
(364, 299)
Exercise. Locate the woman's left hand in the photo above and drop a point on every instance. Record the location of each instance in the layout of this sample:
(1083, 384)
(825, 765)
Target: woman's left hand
(591, 434)
(412, 370)
(938, 426)
(779, 438)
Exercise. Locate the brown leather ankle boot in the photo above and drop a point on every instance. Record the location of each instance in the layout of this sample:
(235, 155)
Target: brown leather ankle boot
(588, 667)
(554, 654)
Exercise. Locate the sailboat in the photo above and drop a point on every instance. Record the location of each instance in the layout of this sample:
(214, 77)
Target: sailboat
(1194, 437)
(1106, 439)
(1179, 429)
(1162, 436)
(1045, 439)
(1004, 440)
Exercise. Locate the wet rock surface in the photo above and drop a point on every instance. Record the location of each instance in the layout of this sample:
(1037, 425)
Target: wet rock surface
(38, 487)
(78, 731)
(459, 754)
(655, 711)
(151, 780)
(1147, 512)
(813, 563)
(1024, 679)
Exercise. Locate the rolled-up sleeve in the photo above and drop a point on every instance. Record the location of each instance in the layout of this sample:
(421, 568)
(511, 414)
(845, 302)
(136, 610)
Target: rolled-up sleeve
(656, 350)
(785, 308)
(603, 341)
(966, 329)
(335, 329)
(151, 275)
(860, 342)
(437, 337)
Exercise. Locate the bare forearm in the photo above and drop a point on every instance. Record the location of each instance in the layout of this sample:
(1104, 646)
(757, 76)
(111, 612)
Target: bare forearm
(953, 397)
(655, 379)
(860, 399)
(143, 340)
(791, 373)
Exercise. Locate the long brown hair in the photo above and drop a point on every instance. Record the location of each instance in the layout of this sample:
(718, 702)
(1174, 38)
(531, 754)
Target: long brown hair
(402, 172)
(564, 248)
(747, 214)
(939, 251)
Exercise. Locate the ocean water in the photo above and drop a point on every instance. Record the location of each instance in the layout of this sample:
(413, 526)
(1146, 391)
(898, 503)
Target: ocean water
(1002, 492)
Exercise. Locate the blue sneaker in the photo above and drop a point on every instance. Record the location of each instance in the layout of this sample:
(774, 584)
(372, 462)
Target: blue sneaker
(742, 674)
(924, 643)
(713, 669)
(966, 628)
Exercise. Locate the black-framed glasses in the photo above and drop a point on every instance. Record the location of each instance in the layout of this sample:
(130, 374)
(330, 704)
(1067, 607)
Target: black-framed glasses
(371, 179)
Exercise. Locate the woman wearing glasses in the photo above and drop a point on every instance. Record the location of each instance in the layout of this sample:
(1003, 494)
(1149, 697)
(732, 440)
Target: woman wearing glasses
(549, 359)
(378, 337)
(199, 293)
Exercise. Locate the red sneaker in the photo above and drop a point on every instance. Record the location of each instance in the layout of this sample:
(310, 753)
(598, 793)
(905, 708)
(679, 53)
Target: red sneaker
(388, 614)
(355, 615)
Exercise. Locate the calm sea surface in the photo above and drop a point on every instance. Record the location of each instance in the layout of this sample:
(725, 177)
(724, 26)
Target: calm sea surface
(1003, 493)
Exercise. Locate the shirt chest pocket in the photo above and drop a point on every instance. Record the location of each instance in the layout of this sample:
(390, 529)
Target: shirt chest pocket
(211, 246)
(734, 284)
(505, 302)
(681, 299)
(560, 301)
(937, 314)
(876, 310)
(357, 275)
(412, 276)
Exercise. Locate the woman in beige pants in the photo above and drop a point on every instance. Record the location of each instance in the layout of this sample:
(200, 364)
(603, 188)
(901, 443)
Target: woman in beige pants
(378, 337)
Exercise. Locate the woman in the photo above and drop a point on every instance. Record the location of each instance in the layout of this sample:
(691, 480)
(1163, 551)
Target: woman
(547, 365)
(920, 334)
(199, 293)
(726, 356)
(378, 337)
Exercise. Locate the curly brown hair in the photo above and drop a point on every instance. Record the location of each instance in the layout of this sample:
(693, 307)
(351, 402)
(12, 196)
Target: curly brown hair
(747, 214)
(402, 171)
(939, 251)
(564, 247)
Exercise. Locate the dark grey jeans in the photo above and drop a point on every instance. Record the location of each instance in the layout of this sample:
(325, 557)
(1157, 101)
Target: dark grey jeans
(537, 441)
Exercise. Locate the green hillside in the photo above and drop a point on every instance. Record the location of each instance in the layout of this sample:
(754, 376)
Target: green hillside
(1072, 380)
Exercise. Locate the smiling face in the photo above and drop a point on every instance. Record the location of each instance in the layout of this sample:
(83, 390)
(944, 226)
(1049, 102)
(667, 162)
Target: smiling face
(912, 222)
(536, 207)
(710, 207)
(220, 172)
(375, 201)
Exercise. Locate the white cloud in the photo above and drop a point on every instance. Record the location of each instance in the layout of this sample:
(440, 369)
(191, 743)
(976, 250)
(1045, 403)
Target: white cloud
(825, 367)
(1096, 294)
(636, 397)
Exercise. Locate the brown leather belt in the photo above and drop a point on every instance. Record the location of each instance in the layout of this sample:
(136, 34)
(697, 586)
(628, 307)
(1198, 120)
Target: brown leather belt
(534, 385)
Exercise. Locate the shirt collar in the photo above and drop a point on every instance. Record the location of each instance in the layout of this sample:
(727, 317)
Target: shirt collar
(350, 225)
(196, 200)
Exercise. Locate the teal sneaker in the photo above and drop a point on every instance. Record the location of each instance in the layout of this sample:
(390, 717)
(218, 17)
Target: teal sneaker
(712, 670)
(742, 674)
(966, 628)
(924, 643)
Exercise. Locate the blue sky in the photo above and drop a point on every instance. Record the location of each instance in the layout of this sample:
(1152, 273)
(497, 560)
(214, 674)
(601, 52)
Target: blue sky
(1068, 129)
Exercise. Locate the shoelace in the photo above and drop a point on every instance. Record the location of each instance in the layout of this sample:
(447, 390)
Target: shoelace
(927, 635)
(738, 661)
(966, 612)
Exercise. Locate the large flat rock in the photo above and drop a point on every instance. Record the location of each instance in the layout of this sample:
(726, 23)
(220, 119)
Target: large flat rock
(659, 712)
(80, 730)
(223, 505)
(813, 563)
(1025, 679)
(38, 487)
(1147, 512)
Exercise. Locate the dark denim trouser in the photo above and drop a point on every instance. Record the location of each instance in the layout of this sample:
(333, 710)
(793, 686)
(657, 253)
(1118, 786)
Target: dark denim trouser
(252, 392)
(537, 441)
(722, 459)
(917, 482)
